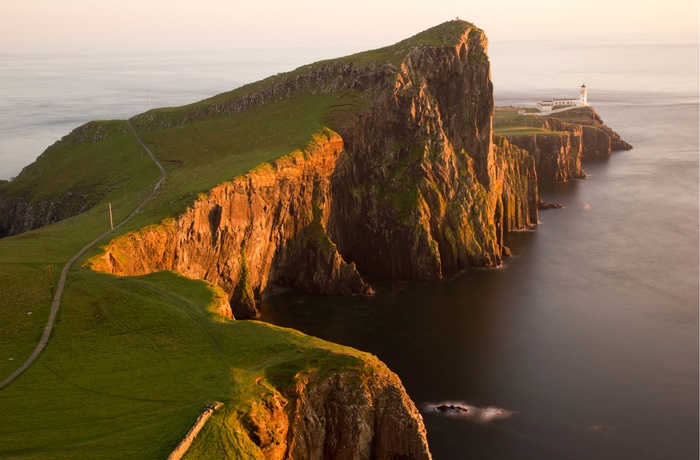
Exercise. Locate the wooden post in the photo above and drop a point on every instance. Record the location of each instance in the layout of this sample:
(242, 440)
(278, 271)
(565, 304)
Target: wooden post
(50, 280)
(111, 222)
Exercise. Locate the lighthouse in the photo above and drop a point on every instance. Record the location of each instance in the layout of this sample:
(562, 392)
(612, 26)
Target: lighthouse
(583, 98)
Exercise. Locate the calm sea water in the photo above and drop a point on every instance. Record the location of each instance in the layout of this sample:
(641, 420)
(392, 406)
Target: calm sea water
(584, 345)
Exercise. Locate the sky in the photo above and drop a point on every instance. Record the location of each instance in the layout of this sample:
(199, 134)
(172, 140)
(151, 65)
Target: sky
(90, 24)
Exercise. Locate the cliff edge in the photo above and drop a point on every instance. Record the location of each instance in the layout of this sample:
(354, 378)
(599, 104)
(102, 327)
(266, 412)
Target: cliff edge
(359, 412)
(559, 142)
(407, 183)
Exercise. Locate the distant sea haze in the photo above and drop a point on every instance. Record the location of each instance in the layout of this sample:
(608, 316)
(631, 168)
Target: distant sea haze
(585, 344)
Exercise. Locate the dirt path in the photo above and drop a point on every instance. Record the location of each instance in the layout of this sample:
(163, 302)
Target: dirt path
(64, 273)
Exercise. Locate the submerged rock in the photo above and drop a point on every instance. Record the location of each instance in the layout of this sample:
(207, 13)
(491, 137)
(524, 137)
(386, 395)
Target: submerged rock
(546, 205)
(451, 409)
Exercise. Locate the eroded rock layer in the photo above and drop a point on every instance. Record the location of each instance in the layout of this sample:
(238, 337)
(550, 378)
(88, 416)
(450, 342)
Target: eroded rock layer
(412, 186)
(259, 232)
(348, 415)
(419, 188)
(568, 137)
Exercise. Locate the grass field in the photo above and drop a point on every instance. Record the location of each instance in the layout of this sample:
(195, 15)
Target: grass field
(507, 122)
(132, 363)
(24, 259)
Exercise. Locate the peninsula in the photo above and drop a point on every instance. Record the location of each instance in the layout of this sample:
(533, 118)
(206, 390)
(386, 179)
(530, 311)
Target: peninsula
(380, 163)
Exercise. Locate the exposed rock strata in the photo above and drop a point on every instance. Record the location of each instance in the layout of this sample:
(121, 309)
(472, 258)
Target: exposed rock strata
(557, 155)
(21, 212)
(414, 186)
(319, 78)
(520, 191)
(348, 415)
(421, 187)
(572, 136)
(259, 232)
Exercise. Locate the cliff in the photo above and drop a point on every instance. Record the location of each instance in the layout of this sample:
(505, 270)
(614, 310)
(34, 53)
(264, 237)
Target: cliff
(560, 141)
(21, 212)
(262, 231)
(30, 201)
(73, 175)
(409, 186)
(349, 414)
(421, 187)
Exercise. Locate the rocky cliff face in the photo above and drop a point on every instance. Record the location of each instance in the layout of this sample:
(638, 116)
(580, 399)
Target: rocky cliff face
(260, 232)
(519, 195)
(571, 136)
(349, 415)
(594, 132)
(557, 155)
(421, 187)
(413, 186)
(24, 208)
(21, 212)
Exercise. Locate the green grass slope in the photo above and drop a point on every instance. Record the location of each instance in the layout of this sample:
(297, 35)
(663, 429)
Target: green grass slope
(134, 361)
(507, 122)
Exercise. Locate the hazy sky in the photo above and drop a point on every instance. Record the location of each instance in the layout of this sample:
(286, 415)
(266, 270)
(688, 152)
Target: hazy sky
(51, 24)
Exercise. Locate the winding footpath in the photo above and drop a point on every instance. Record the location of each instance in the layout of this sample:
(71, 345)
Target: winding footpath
(64, 274)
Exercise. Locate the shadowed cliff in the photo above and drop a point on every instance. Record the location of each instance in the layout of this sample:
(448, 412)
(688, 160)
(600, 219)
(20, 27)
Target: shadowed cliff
(559, 142)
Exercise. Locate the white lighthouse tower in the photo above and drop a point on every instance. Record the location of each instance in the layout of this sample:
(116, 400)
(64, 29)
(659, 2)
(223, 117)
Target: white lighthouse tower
(583, 98)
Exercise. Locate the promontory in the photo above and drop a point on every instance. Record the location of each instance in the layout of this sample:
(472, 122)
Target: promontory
(379, 163)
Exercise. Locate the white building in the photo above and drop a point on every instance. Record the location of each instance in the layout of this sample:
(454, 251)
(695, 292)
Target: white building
(548, 106)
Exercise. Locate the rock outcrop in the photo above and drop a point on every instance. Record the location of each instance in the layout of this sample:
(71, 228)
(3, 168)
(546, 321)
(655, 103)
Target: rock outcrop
(567, 138)
(347, 415)
(21, 212)
(557, 155)
(410, 187)
(29, 202)
(421, 187)
(262, 231)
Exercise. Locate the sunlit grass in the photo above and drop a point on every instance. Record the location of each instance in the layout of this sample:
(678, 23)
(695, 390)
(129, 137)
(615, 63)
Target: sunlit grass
(205, 153)
(132, 363)
(523, 131)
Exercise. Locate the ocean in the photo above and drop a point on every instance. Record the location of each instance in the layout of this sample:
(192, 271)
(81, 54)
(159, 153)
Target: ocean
(583, 345)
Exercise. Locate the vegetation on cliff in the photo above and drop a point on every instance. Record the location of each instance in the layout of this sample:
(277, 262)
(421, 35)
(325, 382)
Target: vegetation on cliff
(558, 142)
(402, 168)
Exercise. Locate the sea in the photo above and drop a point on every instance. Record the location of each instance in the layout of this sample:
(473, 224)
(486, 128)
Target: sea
(583, 345)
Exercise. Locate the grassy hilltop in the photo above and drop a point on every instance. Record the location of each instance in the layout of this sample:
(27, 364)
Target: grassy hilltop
(133, 361)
